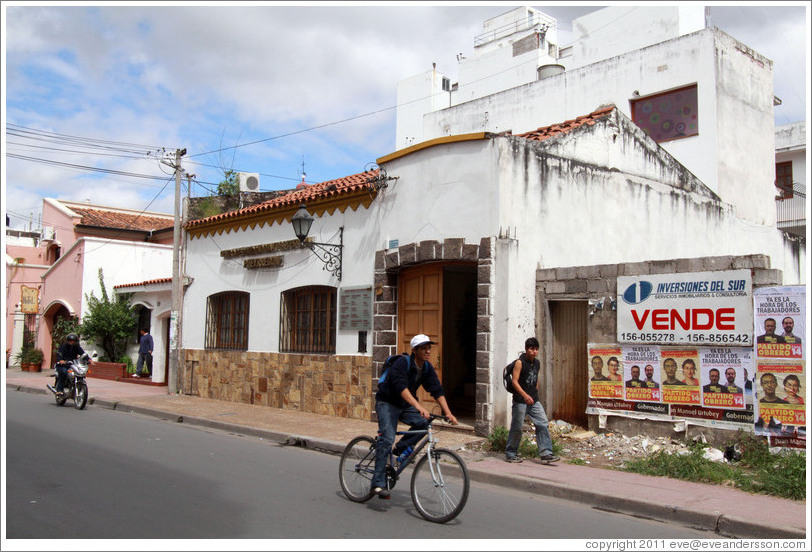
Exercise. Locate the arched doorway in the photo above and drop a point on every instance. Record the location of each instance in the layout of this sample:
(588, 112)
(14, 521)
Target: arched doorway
(439, 299)
(59, 322)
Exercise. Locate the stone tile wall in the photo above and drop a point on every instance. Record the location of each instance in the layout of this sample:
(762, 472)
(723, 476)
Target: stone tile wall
(322, 384)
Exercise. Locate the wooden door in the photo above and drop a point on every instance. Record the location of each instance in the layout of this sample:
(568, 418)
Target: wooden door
(570, 376)
(420, 310)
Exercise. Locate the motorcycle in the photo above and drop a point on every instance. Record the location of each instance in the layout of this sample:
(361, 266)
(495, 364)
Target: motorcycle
(75, 386)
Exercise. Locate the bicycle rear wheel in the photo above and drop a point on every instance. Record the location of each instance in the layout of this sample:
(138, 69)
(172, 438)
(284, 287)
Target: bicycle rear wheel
(440, 485)
(356, 469)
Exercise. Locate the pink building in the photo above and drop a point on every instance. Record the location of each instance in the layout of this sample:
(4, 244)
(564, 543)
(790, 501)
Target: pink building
(63, 261)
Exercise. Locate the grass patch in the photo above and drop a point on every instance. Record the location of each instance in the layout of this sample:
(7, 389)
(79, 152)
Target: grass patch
(527, 447)
(758, 471)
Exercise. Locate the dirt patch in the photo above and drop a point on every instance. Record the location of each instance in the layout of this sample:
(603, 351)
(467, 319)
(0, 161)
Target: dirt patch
(610, 450)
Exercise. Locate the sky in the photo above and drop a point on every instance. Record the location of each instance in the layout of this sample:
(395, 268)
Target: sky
(96, 95)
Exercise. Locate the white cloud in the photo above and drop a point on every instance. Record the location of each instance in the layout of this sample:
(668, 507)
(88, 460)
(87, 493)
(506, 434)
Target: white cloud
(206, 77)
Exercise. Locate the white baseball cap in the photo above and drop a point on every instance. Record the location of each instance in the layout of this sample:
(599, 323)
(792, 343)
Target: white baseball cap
(421, 339)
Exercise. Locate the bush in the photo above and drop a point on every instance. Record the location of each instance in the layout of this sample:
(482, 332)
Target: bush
(129, 365)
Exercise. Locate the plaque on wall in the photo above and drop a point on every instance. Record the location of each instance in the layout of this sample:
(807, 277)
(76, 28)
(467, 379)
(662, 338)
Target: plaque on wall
(355, 308)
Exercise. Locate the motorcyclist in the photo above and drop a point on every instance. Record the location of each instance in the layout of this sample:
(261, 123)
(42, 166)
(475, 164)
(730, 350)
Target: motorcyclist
(68, 351)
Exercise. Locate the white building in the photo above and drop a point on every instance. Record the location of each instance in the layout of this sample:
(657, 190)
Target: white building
(706, 97)
(790, 174)
(451, 247)
(506, 211)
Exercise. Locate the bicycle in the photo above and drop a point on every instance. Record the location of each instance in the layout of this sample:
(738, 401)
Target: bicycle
(440, 481)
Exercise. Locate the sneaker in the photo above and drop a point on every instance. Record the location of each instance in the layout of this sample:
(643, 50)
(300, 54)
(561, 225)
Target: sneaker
(381, 492)
(513, 459)
(549, 458)
(136, 376)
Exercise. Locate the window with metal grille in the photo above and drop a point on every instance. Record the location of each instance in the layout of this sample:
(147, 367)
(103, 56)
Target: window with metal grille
(308, 320)
(783, 180)
(668, 116)
(227, 320)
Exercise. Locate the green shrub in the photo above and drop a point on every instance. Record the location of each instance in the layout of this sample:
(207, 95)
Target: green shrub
(130, 367)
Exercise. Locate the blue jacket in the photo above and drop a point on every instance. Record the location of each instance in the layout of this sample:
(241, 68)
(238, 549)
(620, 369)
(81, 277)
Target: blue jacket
(146, 344)
(403, 374)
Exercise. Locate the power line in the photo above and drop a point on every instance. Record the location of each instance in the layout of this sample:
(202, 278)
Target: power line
(32, 133)
(36, 147)
(83, 167)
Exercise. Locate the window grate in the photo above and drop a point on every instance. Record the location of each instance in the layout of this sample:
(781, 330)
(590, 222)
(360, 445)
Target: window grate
(227, 320)
(308, 320)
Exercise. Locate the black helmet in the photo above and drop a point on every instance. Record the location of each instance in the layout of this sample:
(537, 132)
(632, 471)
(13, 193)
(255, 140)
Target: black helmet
(72, 337)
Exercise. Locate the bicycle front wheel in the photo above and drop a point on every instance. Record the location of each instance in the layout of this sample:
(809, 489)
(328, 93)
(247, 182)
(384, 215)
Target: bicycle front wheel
(440, 485)
(356, 469)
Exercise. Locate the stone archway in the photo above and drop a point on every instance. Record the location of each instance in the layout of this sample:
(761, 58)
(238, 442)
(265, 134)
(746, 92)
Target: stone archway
(389, 263)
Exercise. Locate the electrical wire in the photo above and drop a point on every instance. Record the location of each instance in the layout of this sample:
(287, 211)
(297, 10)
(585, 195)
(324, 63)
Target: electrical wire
(83, 167)
(14, 129)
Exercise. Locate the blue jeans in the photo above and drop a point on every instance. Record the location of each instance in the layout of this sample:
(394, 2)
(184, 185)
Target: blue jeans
(539, 418)
(388, 416)
(61, 377)
(144, 358)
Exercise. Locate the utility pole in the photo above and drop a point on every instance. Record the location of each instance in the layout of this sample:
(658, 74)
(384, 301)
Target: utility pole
(173, 379)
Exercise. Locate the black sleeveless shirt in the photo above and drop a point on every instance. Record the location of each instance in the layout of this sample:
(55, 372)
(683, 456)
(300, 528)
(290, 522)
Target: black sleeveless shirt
(528, 379)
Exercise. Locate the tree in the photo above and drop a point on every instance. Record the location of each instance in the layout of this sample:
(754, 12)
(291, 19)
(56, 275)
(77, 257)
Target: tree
(61, 328)
(229, 185)
(109, 322)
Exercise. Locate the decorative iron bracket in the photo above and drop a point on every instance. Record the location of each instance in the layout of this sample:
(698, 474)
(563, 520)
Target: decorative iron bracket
(330, 254)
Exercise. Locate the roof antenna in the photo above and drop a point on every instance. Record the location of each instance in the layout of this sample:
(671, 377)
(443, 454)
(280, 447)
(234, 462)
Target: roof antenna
(302, 184)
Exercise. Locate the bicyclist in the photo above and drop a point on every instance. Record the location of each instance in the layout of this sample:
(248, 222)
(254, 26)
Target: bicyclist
(396, 399)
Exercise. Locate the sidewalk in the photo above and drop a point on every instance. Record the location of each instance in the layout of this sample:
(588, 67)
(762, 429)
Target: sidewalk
(722, 510)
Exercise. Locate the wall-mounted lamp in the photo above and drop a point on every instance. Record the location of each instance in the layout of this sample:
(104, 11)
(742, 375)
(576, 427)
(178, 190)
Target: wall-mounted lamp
(329, 253)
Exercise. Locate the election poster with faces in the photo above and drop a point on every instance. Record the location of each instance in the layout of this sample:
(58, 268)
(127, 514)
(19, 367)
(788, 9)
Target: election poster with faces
(780, 322)
(605, 372)
(780, 379)
(723, 376)
(680, 376)
(636, 362)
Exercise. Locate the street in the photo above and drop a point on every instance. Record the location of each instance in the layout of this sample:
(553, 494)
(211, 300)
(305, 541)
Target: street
(100, 473)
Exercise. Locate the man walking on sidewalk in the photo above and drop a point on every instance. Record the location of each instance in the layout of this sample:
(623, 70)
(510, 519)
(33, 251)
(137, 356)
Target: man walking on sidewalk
(526, 403)
(144, 353)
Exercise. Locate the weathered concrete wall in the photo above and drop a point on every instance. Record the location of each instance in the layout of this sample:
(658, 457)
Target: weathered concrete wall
(321, 384)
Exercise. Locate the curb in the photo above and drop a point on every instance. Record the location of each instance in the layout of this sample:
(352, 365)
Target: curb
(716, 522)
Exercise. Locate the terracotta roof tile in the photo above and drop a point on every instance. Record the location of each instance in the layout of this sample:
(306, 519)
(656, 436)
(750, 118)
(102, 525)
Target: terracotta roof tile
(567, 126)
(145, 283)
(123, 220)
(322, 190)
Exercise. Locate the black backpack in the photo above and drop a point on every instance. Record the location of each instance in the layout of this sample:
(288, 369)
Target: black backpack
(507, 377)
(388, 364)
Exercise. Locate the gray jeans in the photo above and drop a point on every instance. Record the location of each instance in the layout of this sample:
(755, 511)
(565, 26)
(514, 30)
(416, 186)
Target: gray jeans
(539, 418)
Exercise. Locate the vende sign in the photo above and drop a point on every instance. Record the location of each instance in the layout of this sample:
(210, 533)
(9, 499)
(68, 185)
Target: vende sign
(696, 308)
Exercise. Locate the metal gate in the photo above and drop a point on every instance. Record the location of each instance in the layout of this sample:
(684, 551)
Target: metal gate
(570, 376)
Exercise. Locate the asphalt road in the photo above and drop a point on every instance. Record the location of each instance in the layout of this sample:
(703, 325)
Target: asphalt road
(106, 474)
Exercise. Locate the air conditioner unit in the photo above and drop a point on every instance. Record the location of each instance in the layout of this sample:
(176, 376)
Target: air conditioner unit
(48, 233)
(249, 182)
